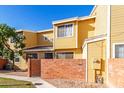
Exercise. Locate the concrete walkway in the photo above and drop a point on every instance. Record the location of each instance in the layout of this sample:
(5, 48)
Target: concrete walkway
(37, 81)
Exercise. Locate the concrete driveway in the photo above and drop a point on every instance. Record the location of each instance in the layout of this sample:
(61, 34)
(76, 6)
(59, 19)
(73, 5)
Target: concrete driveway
(37, 81)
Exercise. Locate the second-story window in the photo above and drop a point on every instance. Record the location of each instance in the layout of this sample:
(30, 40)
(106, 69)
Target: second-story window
(65, 30)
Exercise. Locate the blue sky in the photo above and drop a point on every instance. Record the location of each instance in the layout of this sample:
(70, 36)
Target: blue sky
(40, 17)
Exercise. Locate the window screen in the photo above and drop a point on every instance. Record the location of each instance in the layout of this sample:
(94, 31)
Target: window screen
(119, 51)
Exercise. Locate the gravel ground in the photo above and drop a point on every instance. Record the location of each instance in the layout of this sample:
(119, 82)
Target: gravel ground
(63, 83)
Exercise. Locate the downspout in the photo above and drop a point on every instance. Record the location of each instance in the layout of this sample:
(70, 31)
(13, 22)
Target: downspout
(54, 41)
(86, 64)
(108, 39)
(76, 34)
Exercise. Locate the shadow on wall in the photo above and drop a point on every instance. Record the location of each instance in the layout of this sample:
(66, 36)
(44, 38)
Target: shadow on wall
(86, 29)
(102, 65)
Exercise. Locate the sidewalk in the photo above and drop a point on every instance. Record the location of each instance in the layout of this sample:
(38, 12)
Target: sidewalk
(35, 80)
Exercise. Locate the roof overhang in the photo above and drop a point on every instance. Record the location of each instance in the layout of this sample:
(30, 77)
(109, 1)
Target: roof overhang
(93, 10)
(94, 39)
(74, 19)
(46, 30)
(65, 20)
(86, 18)
(22, 30)
(38, 50)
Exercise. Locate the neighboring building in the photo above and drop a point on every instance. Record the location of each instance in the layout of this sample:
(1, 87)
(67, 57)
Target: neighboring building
(96, 38)
(38, 44)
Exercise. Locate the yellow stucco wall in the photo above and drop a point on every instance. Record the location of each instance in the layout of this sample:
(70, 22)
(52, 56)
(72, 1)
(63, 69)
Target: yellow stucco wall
(117, 25)
(85, 30)
(30, 39)
(78, 53)
(22, 64)
(34, 39)
(41, 41)
(96, 51)
(65, 42)
(101, 19)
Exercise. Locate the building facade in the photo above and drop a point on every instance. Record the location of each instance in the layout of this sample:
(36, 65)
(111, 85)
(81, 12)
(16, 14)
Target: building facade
(96, 38)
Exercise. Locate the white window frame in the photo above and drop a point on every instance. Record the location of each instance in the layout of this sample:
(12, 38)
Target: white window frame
(114, 44)
(65, 36)
(66, 52)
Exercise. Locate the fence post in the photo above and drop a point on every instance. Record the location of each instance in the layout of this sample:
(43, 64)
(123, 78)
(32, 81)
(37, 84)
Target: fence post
(29, 67)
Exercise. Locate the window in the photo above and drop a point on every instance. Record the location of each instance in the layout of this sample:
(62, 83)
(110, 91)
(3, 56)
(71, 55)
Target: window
(48, 55)
(64, 55)
(33, 55)
(16, 57)
(65, 30)
(119, 51)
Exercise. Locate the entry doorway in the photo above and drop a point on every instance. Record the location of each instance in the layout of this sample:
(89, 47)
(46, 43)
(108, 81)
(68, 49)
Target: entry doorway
(96, 60)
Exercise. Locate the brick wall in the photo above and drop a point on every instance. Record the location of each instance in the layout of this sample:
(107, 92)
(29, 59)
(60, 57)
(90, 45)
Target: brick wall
(116, 72)
(34, 67)
(63, 69)
(2, 63)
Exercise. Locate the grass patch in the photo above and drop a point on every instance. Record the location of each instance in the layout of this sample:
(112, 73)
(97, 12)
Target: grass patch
(13, 83)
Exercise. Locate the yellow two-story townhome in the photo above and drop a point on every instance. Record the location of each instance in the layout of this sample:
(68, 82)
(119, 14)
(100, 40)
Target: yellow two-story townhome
(96, 38)
(37, 44)
(44, 46)
(84, 38)
(69, 35)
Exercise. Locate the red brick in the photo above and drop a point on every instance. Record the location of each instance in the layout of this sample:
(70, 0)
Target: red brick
(63, 69)
(34, 67)
(116, 72)
(57, 68)
(3, 62)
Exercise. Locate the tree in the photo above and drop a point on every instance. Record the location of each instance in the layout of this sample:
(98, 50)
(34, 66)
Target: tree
(6, 51)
